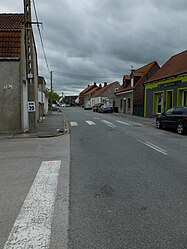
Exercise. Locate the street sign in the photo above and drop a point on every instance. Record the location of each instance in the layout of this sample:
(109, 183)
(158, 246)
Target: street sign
(31, 106)
(30, 76)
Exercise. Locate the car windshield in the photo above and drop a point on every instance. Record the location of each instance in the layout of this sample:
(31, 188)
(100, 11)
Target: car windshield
(169, 112)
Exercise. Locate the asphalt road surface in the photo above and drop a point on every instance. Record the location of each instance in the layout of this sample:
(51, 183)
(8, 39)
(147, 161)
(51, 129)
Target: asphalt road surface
(128, 185)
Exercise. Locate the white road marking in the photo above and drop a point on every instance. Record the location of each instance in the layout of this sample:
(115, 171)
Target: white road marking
(121, 122)
(32, 228)
(108, 123)
(135, 123)
(90, 122)
(74, 123)
(154, 147)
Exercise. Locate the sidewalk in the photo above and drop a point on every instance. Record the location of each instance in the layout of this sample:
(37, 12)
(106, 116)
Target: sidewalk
(52, 125)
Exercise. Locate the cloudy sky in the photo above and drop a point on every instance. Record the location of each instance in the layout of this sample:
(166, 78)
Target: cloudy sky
(99, 40)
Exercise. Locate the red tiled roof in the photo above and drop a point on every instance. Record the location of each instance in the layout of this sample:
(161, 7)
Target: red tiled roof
(92, 90)
(87, 89)
(10, 44)
(11, 21)
(145, 68)
(176, 65)
(139, 73)
(101, 91)
(41, 80)
(11, 26)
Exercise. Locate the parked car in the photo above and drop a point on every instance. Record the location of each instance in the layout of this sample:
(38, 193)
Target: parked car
(87, 107)
(96, 107)
(174, 118)
(106, 109)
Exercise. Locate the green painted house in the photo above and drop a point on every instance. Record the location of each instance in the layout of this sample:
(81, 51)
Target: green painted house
(167, 87)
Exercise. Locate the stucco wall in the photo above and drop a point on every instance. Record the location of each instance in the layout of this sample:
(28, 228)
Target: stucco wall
(124, 98)
(163, 87)
(10, 98)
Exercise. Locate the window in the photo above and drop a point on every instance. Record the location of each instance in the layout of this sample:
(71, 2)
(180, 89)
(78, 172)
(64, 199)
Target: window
(169, 99)
(169, 112)
(121, 103)
(184, 98)
(159, 103)
(129, 103)
(178, 111)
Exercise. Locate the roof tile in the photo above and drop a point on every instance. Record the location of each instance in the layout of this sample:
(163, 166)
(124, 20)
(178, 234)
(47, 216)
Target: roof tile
(11, 26)
(176, 65)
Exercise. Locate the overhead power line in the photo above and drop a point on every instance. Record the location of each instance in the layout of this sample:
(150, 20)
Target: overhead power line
(40, 35)
(86, 77)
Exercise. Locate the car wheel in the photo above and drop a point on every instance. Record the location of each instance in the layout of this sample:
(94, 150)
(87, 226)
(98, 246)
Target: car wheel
(180, 128)
(158, 124)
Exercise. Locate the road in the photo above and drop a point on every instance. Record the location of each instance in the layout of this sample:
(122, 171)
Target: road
(127, 184)
(111, 183)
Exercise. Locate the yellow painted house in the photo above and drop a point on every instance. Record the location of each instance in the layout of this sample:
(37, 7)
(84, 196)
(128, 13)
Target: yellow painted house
(167, 87)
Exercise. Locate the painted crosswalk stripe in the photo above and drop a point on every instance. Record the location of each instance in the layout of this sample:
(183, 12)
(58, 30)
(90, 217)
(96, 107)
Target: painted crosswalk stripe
(121, 122)
(108, 123)
(134, 123)
(32, 228)
(90, 122)
(74, 123)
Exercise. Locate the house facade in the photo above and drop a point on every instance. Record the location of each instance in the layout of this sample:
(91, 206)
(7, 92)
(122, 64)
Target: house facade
(88, 95)
(84, 92)
(130, 96)
(43, 98)
(105, 94)
(168, 87)
(13, 81)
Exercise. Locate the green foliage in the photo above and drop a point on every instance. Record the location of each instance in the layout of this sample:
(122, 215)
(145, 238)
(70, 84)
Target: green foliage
(54, 97)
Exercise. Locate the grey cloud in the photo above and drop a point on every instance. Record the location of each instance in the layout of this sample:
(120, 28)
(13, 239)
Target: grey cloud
(103, 38)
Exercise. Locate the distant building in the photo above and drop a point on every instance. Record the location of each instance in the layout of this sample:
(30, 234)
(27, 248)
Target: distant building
(84, 92)
(43, 98)
(69, 100)
(105, 93)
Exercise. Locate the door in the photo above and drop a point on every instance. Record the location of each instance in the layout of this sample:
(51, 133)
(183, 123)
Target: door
(124, 106)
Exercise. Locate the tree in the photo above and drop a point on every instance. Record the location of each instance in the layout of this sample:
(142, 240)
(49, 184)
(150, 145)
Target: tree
(54, 97)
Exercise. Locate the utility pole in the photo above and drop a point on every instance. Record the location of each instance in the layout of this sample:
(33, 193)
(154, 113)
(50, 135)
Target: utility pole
(51, 78)
(30, 68)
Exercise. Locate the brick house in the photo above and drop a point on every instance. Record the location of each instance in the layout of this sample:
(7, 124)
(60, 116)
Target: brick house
(13, 83)
(89, 94)
(84, 92)
(167, 87)
(130, 96)
(105, 94)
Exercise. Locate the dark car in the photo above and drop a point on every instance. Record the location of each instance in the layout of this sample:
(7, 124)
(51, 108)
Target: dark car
(105, 109)
(174, 118)
(96, 107)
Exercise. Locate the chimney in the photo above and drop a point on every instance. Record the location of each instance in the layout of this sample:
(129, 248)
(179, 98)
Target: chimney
(132, 81)
(88, 85)
(132, 77)
(100, 85)
(105, 84)
(95, 83)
